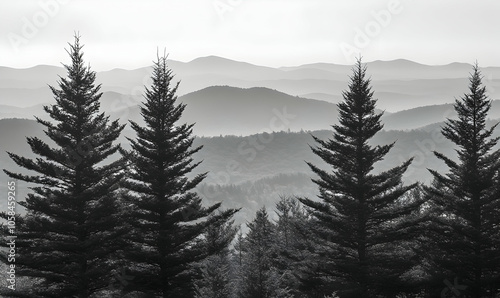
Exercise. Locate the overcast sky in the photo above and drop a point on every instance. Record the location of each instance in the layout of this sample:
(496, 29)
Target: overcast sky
(126, 34)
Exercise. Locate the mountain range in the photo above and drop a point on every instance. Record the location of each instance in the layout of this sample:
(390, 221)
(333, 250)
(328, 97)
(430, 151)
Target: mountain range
(398, 84)
(225, 110)
(256, 122)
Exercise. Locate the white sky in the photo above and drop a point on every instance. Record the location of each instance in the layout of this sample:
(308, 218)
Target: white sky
(126, 33)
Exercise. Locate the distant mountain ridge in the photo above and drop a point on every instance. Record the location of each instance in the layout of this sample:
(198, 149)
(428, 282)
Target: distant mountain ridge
(400, 84)
(225, 110)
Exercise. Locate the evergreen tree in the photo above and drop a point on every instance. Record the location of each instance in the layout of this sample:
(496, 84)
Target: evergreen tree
(238, 255)
(291, 244)
(361, 218)
(71, 227)
(167, 216)
(215, 281)
(260, 279)
(464, 234)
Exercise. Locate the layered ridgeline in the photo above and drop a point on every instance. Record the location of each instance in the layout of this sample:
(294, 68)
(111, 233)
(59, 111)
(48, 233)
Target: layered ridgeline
(225, 110)
(250, 167)
(399, 84)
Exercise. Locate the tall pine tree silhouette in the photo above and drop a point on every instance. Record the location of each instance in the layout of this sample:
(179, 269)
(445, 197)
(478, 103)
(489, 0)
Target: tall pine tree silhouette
(167, 216)
(71, 228)
(361, 218)
(464, 236)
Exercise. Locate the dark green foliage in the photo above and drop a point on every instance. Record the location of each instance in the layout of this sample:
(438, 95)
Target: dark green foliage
(362, 221)
(464, 236)
(71, 227)
(166, 215)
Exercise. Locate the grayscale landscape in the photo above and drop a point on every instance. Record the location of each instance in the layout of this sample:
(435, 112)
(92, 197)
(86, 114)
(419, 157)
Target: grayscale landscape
(249, 149)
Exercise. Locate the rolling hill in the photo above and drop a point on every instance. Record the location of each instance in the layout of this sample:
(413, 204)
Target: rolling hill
(221, 110)
(224, 110)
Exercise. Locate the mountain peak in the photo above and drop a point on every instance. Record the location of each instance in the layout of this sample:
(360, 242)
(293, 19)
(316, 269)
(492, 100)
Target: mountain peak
(396, 63)
(213, 59)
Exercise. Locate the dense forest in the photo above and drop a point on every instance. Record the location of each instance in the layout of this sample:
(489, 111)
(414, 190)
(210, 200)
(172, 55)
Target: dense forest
(143, 219)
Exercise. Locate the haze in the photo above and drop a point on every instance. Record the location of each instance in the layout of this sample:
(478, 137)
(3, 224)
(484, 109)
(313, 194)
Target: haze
(126, 34)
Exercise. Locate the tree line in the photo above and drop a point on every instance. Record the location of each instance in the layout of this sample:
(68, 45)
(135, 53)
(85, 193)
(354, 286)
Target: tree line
(102, 221)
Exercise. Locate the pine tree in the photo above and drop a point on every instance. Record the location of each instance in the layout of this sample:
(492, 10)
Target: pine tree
(167, 216)
(71, 228)
(237, 257)
(215, 281)
(291, 243)
(361, 216)
(297, 252)
(260, 279)
(464, 234)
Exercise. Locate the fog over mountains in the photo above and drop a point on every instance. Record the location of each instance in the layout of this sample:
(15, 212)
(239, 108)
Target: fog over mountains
(399, 84)
(247, 97)
(256, 122)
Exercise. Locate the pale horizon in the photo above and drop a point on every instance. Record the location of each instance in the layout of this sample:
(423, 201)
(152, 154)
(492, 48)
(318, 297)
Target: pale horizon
(60, 64)
(126, 34)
